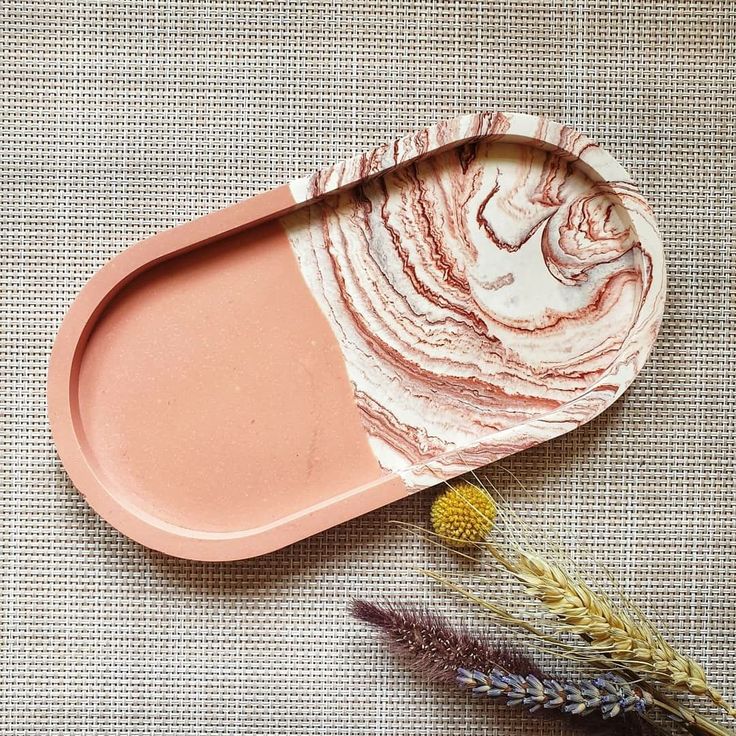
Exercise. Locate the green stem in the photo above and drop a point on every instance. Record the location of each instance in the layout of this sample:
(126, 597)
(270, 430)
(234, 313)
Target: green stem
(692, 720)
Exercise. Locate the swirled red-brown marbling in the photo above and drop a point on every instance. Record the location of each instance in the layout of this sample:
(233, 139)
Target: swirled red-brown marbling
(471, 291)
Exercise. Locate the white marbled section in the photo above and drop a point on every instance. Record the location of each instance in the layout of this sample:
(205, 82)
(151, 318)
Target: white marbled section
(486, 297)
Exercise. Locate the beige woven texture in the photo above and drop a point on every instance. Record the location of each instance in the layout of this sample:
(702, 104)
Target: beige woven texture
(121, 118)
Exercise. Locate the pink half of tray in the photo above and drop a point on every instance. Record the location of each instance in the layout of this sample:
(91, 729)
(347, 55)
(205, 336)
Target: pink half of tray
(232, 385)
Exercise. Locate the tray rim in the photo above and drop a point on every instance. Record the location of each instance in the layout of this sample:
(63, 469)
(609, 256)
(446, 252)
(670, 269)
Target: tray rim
(94, 297)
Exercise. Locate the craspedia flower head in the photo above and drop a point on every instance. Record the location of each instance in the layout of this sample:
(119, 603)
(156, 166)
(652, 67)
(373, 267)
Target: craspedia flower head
(463, 514)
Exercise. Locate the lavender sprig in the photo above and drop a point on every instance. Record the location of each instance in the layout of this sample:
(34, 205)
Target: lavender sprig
(609, 694)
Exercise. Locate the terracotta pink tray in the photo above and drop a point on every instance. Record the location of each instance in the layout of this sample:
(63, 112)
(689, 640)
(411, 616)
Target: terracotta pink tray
(242, 381)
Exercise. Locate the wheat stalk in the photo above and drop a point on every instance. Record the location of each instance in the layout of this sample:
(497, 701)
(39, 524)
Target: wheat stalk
(631, 642)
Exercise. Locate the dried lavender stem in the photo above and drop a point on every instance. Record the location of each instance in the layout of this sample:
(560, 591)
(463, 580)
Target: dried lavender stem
(609, 694)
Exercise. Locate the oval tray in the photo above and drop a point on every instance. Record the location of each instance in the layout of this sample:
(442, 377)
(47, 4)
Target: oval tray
(232, 385)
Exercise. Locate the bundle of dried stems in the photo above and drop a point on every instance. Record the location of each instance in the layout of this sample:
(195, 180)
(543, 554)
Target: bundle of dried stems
(636, 666)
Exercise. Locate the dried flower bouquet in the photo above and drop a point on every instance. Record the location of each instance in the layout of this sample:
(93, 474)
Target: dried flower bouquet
(630, 674)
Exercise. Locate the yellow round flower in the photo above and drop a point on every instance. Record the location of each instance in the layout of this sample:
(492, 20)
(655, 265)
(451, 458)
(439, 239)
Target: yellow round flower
(463, 515)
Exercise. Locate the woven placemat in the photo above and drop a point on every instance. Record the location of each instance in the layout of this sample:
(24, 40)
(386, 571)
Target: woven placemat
(121, 117)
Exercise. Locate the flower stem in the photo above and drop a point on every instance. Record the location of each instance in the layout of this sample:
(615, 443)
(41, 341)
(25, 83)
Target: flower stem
(693, 721)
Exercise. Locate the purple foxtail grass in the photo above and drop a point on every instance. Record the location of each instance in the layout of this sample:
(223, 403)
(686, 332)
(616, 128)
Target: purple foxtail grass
(432, 646)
